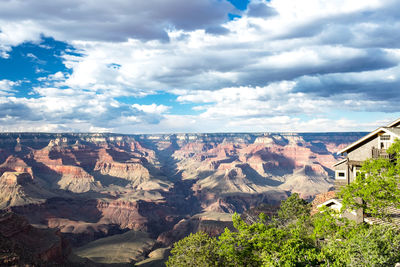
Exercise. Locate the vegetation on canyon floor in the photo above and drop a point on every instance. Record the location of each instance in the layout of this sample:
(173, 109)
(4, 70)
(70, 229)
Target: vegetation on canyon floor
(295, 238)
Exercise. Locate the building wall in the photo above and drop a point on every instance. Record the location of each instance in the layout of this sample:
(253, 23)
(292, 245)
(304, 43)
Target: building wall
(341, 182)
(355, 158)
(364, 151)
(359, 154)
(341, 167)
(353, 172)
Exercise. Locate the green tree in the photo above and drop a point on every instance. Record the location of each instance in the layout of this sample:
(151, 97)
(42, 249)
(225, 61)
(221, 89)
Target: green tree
(283, 241)
(364, 245)
(292, 238)
(294, 208)
(328, 224)
(195, 250)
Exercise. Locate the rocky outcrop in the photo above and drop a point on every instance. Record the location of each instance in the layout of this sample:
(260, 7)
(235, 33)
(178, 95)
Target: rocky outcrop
(67, 177)
(273, 161)
(118, 249)
(15, 178)
(307, 182)
(18, 188)
(15, 164)
(25, 244)
(134, 172)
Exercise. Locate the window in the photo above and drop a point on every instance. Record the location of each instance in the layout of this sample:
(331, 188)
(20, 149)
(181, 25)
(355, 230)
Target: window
(340, 175)
(385, 137)
(384, 141)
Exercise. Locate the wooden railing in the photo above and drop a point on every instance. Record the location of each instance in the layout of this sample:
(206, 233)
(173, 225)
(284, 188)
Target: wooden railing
(380, 153)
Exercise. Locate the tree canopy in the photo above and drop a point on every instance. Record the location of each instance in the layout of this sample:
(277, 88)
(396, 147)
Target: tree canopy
(292, 238)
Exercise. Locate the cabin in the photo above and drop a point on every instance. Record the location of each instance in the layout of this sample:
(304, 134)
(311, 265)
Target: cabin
(373, 145)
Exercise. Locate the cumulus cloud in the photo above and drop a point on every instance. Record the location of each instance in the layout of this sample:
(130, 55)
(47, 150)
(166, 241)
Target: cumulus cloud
(6, 87)
(275, 100)
(260, 8)
(278, 64)
(257, 51)
(74, 109)
(15, 33)
(153, 108)
(114, 20)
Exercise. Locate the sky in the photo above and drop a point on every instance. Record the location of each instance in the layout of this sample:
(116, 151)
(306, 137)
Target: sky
(159, 66)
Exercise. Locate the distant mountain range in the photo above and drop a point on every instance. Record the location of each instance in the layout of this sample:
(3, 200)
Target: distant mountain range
(103, 185)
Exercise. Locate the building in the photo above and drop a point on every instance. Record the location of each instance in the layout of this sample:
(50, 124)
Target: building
(373, 145)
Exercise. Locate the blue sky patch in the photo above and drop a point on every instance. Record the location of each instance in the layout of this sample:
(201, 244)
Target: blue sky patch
(240, 4)
(30, 61)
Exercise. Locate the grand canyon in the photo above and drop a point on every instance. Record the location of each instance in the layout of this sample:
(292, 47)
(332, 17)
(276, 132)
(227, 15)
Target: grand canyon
(102, 198)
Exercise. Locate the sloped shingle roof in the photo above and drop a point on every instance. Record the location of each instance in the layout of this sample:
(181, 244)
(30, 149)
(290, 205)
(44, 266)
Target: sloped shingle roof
(393, 218)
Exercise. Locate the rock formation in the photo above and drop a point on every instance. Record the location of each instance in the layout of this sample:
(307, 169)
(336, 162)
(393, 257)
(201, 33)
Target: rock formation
(88, 187)
(21, 243)
(18, 188)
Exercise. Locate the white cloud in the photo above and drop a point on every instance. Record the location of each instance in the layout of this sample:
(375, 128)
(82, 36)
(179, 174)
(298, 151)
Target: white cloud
(15, 33)
(277, 99)
(153, 108)
(291, 60)
(72, 109)
(6, 87)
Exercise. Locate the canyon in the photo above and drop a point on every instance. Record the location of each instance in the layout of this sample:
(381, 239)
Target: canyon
(122, 199)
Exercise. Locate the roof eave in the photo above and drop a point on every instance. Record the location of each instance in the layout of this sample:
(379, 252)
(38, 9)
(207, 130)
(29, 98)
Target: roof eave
(361, 140)
(339, 162)
(392, 124)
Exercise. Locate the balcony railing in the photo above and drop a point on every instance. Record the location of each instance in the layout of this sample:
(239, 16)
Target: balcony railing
(380, 153)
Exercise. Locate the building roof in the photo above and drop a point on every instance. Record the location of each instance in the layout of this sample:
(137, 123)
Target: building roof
(394, 218)
(339, 162)
(390, 130)
(394, 123)
(321, 198)
(328, 203)
(393, 130)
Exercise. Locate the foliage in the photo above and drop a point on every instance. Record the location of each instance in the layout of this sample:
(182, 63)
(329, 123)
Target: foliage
(328, 224)
(195, 250)
(377, 185)
(261, 244)
(293, 208)
(283, 241)
(365, 246)
(292, 238)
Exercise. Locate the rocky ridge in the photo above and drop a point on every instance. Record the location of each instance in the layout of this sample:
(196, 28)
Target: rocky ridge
(91, 186)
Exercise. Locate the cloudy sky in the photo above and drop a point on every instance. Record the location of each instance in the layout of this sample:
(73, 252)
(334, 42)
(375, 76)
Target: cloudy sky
(160, 66)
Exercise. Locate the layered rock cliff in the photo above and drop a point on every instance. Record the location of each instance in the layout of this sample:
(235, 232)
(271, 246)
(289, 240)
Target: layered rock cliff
(90, 186)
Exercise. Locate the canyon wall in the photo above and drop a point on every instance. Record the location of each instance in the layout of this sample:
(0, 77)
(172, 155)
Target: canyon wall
(90, 186)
